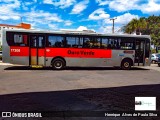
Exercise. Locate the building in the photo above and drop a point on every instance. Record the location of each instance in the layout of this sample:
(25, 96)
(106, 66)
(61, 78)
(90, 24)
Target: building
(19, 26)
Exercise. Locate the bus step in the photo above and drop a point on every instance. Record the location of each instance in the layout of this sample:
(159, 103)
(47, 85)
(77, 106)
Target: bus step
(36, 66)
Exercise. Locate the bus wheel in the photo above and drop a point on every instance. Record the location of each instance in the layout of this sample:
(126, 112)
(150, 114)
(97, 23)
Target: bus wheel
(153, 61)
(126, 65)
(58, 64)
(159, 64)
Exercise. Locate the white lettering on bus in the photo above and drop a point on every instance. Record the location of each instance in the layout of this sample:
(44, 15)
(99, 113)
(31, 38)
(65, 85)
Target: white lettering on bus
(15, 50)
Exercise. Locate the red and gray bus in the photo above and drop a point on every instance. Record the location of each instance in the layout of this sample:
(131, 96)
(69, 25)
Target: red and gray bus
(59, 49)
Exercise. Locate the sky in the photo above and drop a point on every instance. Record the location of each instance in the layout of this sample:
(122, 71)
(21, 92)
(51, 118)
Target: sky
(76, 14)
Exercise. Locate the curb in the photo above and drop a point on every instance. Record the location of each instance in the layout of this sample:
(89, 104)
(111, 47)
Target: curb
(1, 63)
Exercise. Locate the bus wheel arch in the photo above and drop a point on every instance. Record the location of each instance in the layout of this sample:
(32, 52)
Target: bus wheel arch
(58, 63)
(126, 63)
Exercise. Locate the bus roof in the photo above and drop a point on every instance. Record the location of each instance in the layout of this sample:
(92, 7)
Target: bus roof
(78, 33)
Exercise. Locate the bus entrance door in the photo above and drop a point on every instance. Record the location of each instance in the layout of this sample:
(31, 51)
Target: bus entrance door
(139, 52)
(37, 50)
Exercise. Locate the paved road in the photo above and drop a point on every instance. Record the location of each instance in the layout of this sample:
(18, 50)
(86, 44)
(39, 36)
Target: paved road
(22, 88)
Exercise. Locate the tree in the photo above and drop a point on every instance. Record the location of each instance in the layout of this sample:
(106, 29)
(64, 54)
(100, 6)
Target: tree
(136, 26)
(145, 26)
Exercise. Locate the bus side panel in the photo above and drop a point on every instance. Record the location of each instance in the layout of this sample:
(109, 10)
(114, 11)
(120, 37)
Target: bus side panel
(115, 60)
(6, 49)
(15, 55)
(78, 53)
(77, 56)
(99, 58)
(82, 62)
(20, 60)
(19, 55)
(119, 55)
(86, 62)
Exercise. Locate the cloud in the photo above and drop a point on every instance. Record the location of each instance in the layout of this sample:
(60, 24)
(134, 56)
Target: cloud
(42, 17)
(151, 7)
(7, 10)
(60, 3)
(119, 5)
(122, 19)
(119, 22)
(108, 29)
(146, 6)
(99, 14)
(102, 2)
(10, 4)
(11, 10)
(79, 7)
(81, 28)
(53, 26)
(125, 18)
(48, 1)
(68, 23)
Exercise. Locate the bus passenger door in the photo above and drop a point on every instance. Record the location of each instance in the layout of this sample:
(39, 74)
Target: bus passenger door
(139, 51)
(37, 50)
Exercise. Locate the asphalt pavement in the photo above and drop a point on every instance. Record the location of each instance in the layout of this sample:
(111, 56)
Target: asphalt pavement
(77, 89)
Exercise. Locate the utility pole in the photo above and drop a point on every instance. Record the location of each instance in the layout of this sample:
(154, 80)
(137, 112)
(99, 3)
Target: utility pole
(113, 19)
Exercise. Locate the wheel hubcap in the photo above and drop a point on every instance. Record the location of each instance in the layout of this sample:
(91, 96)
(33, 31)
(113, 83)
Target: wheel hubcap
(58, 64)
(126, 64)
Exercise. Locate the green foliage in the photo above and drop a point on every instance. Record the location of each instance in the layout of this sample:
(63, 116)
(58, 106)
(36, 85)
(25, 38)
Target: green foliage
(153, 51)
(0, 48)
(145, 26)
(136, 25)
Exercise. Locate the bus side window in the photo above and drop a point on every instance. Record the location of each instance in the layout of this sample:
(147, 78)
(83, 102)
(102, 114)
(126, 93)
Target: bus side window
(118, 43)
(104, 43)
(96, 42)
(72, 41)
(127, 44)
(41, 42)
(110, 43)
(87, 42)
(55, 41)
(25, 39)
(20, 40)
(80, 42)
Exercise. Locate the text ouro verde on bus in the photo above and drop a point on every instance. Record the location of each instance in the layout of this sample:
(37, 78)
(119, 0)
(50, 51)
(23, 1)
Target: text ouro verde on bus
(70, 52)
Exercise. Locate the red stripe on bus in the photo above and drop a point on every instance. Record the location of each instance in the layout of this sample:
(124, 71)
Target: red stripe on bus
(19, 51)
(41, 52)
(78, 52)
(33, 51)
(63, 52)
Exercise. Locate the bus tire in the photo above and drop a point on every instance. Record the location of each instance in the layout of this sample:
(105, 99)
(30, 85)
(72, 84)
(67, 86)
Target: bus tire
(153, 62)
(58, 64)
(126, 64)
(158, 64)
